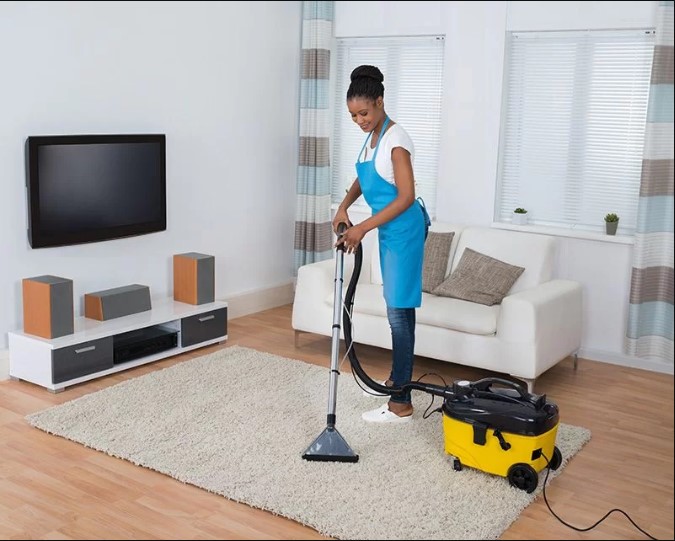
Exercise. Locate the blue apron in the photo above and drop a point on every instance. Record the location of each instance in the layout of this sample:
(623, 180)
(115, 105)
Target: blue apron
(401, 239)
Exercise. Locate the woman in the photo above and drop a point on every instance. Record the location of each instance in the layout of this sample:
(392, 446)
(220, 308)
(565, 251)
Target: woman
(386, 181)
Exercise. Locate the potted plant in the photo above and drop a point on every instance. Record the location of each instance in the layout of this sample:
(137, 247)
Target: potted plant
(519, 216)
(611, 223)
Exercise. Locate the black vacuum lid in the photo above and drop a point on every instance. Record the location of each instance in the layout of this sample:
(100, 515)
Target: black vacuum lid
(507, 410)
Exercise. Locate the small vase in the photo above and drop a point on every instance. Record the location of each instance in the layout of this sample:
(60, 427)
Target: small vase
(611, 227)
(519, 218)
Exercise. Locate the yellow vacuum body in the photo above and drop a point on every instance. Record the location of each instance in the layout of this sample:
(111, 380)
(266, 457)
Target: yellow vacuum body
(502, 431)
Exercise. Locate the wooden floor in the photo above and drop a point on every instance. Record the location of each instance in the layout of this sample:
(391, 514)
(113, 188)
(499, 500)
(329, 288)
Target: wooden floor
(51, 488)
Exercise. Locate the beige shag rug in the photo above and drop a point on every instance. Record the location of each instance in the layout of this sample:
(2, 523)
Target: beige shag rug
(237, 421)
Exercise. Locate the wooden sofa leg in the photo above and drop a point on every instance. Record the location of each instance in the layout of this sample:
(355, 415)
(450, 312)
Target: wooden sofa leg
(297, 339)
(575, 358)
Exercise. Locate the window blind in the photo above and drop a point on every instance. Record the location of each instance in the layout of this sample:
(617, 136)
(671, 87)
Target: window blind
(413, 87)
(573, 126)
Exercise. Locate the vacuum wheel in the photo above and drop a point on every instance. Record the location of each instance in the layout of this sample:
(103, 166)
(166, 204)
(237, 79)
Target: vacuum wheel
(523, 476)
(556, 459)
(457, 465)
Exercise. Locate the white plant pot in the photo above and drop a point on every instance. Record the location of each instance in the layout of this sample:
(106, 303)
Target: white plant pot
(519, 219)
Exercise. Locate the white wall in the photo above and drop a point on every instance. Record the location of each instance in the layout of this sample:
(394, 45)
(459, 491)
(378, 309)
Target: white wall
(475, 37)
(219, 79)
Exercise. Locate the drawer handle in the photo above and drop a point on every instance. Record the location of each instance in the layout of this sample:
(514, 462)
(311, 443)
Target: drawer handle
(207, 318)
(84, 350)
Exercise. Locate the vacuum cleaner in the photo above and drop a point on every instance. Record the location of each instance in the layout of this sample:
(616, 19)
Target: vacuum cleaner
(493, 424)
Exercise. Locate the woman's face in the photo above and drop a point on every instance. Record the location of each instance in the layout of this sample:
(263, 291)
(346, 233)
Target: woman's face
(366, 112)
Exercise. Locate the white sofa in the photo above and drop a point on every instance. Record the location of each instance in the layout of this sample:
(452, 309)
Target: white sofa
(537, 324)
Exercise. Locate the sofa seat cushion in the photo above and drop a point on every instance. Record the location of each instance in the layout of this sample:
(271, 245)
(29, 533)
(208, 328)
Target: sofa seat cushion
(458, 315)
(445, 312)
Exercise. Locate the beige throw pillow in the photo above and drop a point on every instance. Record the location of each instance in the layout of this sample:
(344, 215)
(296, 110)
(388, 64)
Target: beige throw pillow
(479, 278)
(436, 253)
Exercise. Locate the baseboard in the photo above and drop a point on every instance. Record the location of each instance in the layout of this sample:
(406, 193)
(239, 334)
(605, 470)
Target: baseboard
(625, 360)
(4, 364)
(259, 300)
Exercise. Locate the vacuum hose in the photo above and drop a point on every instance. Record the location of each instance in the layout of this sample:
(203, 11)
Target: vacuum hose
(438, 390)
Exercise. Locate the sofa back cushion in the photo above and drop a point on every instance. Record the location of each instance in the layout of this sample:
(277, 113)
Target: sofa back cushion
(440, 227)
(436, 259)
(535, 253)
(479, 278)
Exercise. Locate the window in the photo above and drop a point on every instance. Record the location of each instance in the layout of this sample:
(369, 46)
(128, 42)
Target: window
(573, 126)
(413, 86)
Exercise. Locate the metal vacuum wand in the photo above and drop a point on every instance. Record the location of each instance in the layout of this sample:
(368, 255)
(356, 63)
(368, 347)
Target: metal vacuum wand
(330, 445)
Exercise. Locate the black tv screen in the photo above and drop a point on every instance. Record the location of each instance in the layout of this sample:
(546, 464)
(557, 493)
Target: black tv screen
(89, 188)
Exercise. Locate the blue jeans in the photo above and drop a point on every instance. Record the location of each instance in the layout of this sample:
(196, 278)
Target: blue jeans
(402, 323)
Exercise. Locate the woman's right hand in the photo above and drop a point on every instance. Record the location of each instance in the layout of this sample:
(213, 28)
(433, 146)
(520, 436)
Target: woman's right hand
(341, 216)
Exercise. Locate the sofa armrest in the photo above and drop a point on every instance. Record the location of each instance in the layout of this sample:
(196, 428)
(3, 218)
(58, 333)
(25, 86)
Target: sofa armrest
(315, 282)
(548, 316)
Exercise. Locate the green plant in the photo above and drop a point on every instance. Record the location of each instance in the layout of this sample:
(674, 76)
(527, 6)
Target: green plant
(520, 211)
(611, 217)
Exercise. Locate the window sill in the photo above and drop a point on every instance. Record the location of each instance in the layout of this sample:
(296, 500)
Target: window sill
(561, 232)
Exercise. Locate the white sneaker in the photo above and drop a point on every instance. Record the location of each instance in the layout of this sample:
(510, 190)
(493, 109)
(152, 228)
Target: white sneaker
(384, 415)
(367, 391)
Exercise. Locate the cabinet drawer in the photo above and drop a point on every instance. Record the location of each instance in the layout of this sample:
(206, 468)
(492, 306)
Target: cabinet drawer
(203, 327)
(82, 359)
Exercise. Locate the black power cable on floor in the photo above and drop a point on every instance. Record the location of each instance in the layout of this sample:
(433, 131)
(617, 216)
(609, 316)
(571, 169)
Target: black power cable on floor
(548, 471)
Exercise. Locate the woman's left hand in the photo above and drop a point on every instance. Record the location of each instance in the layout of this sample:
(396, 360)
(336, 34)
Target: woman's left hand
(351, 238)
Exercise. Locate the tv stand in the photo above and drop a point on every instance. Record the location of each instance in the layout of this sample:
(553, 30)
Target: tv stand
(98, 348)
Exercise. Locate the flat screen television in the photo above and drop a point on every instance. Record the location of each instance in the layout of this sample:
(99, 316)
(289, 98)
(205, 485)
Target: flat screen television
(90, 188)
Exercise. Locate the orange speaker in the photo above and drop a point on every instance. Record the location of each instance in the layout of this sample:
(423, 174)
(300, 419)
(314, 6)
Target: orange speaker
(194, 278)
(48, 306)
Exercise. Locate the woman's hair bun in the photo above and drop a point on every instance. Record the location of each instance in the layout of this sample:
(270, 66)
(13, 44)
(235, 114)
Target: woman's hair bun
(368, 72)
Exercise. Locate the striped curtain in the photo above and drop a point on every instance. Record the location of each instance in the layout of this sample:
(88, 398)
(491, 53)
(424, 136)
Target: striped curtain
(313, 230)
(650, 318)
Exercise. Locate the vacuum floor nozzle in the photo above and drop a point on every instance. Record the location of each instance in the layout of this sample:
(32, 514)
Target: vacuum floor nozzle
(330, 446)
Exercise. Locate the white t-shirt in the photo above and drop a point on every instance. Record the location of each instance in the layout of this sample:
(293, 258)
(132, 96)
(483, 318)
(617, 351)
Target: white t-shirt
(394, 137)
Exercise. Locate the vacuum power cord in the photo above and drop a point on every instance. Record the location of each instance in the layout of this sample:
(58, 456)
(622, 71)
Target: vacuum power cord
(576, 528)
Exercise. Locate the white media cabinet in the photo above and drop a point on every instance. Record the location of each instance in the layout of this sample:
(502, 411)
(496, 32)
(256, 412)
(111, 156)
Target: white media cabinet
(89, 352)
